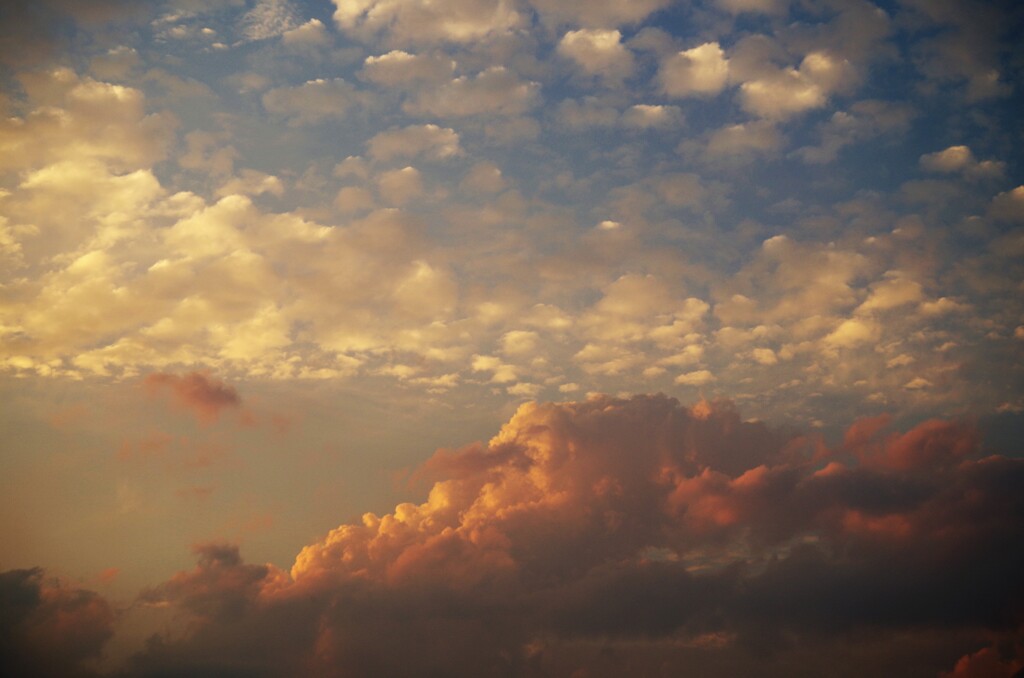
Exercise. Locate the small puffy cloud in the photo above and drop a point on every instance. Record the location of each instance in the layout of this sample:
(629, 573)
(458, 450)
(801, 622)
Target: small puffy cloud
(701, 71)
(312, 102)
(399, 186)
(519, 342)
(353, 199)
(960, 159)
(586, 113)
(852, 333)
(863, 120)
(415, 140)
(648, 116)
(313, 33)
(598, 52)
(743, 140)
(205, 396)
(501, 372)
(895, 291)
(418, 22)
(494, 91)
(484, 177)
(695, 378)
(917, 384)
(401, 69)
(787, 92)
(1008, 205)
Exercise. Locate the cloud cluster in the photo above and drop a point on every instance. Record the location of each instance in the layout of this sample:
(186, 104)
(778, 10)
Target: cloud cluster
(639, 532)
(48, 628)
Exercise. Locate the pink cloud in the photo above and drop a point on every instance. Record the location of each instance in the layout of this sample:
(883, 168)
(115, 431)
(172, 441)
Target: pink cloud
(204, 396)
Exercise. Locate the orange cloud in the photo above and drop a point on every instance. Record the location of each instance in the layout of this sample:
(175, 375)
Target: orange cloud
(611, 520)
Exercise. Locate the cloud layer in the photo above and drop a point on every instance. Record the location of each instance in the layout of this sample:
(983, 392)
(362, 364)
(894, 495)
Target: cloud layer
(611, 535)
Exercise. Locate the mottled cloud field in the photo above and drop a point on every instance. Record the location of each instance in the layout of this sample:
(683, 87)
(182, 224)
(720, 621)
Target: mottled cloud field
(738, 283)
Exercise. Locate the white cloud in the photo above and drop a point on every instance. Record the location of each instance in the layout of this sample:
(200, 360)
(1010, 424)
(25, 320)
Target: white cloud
(646, 116)
(695, 378)
(701, 71)
(791, 91)
(960, 160)
(598, 52)
(417, 22)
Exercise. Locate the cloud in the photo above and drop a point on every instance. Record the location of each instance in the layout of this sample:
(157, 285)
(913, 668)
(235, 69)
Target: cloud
(701, 71)
(595, 13)
(313, 101)
(417, 22)
(50, 628)
(646, 116)
(79, 120)
(205, 396)
(430, 140)
(399, 186)
(636, 526)
(494, 91)
(960, 159)
(598, 52)
(401, 69)
(787, 92)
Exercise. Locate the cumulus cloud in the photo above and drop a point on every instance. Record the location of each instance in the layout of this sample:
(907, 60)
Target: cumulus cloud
(646, 116)
(634, 527)
(598, 52)
(312, 101)
(494, 91)
(49, 628)
(76, 120)
(701, 71)
(418, 22)
(960, 159)
(401, 69)
(787, 92)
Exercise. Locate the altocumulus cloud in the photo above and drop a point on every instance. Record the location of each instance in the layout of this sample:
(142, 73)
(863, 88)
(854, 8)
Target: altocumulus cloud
(625, 537)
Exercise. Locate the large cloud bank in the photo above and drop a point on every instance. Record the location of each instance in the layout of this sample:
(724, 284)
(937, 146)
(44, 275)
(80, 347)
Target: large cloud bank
(638, 537)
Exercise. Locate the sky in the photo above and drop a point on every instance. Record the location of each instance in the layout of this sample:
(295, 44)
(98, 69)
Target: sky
(512, 338)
